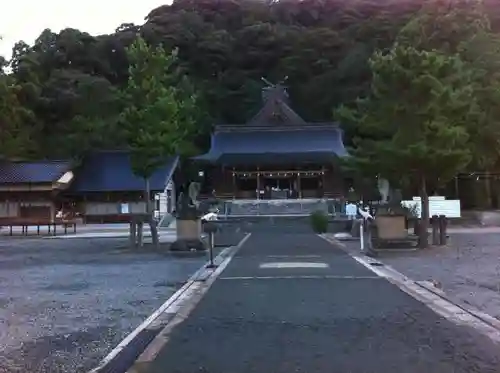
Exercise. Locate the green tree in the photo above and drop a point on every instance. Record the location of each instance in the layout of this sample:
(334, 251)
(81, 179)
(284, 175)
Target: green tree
(414, 122)
(445, 25)
(322, 46)
(64, 80)
(225, 47)
(463, 27)
(17, 136)
(159, 118)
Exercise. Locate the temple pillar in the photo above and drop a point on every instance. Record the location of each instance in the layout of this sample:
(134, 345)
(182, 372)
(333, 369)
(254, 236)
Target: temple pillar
(234, 184)
(258, 183)
(52, 211)
(323, 179)
(299, 187)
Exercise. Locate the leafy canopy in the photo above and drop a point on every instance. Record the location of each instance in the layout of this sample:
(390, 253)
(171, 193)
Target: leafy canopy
(17, 132)
(414, 121)
(464, 28)
(158, 116)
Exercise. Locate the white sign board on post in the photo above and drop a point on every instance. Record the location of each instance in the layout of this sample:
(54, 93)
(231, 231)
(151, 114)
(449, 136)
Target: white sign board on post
(124, 208)
(438, 205)
(351, 211)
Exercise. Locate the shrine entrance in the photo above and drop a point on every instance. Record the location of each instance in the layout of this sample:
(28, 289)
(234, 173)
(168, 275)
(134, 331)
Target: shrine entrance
(278, 184)
(275, 155)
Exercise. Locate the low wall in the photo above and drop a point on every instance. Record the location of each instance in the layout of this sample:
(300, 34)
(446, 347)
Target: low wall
(244, 208)
(112, 208)
(277, 224)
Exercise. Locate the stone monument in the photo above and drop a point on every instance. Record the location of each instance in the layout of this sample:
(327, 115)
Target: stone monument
(384, 189)
(188, 223)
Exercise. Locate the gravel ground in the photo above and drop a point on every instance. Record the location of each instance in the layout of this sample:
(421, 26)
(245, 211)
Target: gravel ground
(467, 269)
(64, 304)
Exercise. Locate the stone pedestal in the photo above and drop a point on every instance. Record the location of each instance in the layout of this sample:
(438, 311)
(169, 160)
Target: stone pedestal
(188, 229)
(188, 236)
(391, 227)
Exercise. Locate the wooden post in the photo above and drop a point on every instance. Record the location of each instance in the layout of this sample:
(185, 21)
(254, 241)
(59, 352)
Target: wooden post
(234, 184)
(435, 222)
(299, 187)
(133, 233)
(53, 211)
(140, 236)
(84, 212)
(258, 183)
(323, 177)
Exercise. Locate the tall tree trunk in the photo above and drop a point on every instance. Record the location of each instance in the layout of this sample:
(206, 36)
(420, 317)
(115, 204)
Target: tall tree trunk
(423, 235)
(140, 233)
(151, 220)
(487, 189)
(495, 194)
(133, 234)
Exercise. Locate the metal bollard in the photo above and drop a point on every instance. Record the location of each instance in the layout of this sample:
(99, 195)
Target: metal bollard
(211, 250)
(362, 234)
(435, 230)
(369, 242)
(210, 228)
(443, 224)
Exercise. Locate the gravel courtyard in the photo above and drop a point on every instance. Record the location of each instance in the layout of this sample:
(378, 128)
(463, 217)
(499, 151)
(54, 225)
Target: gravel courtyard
(467, 269)
(64, 304)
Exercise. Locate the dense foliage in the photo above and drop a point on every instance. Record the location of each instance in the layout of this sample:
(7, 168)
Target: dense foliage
(70, 82)
(414, 124)
(69, 91)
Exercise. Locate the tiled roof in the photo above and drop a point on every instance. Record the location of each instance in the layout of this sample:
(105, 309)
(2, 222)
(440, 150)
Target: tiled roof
(268, 146)
(110, 171)
(32, 172)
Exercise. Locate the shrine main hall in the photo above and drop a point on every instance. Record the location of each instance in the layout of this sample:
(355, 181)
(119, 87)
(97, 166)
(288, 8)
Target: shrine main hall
(275, 155)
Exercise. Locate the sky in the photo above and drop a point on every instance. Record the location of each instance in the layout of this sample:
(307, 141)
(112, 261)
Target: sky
(26, 19)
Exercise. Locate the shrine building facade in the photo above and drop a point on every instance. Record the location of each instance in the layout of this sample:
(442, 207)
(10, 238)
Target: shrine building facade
(275, 155)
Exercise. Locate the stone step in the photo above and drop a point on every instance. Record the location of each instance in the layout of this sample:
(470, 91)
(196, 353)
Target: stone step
(281, 224)
(278, 207)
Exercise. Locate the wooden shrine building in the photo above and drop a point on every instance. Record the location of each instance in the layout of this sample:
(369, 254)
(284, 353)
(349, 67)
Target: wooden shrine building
(106, 190)
(275, 155)
(33, 190)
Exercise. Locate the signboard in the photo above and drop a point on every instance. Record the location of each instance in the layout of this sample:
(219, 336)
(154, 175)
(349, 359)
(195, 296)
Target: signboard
(351, 210)
(438, 205)
(124, 208)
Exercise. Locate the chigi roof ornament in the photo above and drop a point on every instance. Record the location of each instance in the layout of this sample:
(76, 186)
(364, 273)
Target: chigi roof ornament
(275, 91)
(276, 106)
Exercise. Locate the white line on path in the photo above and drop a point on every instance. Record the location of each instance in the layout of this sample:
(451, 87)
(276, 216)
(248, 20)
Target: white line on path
(443, 306)
(329, 277)
(173, 303)
(284, 265)
(294, 256)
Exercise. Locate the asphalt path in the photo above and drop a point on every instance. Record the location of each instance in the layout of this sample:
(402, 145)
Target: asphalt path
(294, 303)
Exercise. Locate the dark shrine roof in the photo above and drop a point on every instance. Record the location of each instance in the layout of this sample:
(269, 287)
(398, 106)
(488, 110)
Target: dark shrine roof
(32, 172)
(276, 110)
(111, 171)
(276, 134)
(294, 145)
